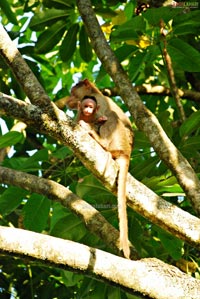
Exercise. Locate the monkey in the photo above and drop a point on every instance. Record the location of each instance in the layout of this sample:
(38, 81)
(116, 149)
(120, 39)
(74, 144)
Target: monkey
(87, 114)
(115, 135)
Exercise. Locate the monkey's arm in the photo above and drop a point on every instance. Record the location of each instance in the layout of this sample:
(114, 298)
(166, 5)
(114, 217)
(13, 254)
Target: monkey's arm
(91, 129)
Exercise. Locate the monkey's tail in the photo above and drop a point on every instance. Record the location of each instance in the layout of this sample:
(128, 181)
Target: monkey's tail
(123, 163)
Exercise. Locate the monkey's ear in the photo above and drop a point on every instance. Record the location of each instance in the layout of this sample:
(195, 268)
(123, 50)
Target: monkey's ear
(79, 105)
(97, 108)
(86, 82)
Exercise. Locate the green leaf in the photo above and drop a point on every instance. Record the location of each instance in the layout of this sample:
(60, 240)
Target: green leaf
(114, 293)
(8, 11)
(36, 213)
(69, 227)
(48, 17)
(105, 12)
(146, 168)
(191, 19)
(161, 184)
(85, 47)
(183, 55)
(189, 27)
(130, 30)
(61, 153)
(70, 279)
(153, 15)
(68, 46)
(190, 124)
(136, 65)
(141, 141)
(11, 199)
(59, 212)
(92, 189)
(50, 37)
(190, 147)
(58, 3)
(129, 8)
(173, 245)
(10, 138)
(123, 52)
(30, 164)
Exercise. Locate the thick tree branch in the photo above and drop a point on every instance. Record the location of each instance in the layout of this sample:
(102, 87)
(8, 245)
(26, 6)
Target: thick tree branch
(92, 219)
(144, 119)
(22, 72)
(140, 277)
(140, 198)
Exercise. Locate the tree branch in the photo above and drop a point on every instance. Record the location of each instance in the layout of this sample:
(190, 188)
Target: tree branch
(140, 198)
(148, 89)
(140, 277)
(22, 72)
(92, 219)
(171, 75)
(145, 120)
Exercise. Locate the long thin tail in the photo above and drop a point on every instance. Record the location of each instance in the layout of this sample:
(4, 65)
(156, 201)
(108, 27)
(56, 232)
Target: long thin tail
(123, 163)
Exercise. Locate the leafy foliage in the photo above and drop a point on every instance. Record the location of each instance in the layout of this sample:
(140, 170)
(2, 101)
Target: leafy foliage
(54, 42)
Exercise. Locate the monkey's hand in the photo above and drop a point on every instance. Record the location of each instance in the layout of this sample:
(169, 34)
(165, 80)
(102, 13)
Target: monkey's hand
(102, 119)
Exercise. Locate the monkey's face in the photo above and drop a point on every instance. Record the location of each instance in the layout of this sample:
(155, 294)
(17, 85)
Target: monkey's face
(88, 107)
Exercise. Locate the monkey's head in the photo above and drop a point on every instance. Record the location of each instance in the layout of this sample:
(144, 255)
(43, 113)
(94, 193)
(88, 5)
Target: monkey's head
(88, 106)
(78, 91)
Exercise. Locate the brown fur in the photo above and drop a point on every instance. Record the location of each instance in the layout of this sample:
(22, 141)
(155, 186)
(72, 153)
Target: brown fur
(116, 136)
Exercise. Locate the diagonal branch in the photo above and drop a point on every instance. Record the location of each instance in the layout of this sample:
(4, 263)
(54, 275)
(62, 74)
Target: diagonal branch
(92, 219)
(139, 277)
(140, 198)
(22, 72)
(145, 120)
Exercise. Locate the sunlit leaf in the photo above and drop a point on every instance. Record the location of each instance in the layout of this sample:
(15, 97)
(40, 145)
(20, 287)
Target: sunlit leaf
(120, 18)
(6, 8)
(130, 30)
(10, 138)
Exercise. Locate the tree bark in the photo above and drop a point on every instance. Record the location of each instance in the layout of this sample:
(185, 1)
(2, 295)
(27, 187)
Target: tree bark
(139, 277)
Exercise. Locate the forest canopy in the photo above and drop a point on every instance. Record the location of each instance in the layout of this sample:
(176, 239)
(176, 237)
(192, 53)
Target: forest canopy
(58, 209)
